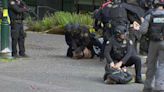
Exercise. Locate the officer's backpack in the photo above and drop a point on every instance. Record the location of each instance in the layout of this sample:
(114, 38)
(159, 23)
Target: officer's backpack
(115, 76)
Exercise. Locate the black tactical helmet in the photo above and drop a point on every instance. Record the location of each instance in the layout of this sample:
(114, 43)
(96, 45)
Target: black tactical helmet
(120, 30)
(159, 2)
(68, 27)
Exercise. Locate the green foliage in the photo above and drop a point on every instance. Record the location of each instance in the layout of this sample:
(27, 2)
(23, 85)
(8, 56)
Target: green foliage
(37, 26)
(59, 19)
(64, 18)
(48, 22)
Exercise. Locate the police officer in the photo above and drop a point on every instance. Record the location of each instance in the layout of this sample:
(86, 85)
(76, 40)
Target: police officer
(153, 26)
(79, 40)
(147, 5)
(16, 13)
(114, 14)
(119, 52)
(69, 36)
(83, 43)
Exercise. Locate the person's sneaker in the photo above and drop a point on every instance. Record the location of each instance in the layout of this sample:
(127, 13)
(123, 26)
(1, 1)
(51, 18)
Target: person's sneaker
(24, 56)
(147, 90)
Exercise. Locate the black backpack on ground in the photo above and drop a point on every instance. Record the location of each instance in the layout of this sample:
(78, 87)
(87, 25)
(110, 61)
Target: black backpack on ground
(115, 76)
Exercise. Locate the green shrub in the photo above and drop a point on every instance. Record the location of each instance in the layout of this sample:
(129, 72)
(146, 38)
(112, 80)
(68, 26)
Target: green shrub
(48, 22)
(29, 21)
(59, 19)
(41, 25)
(64, 18)
(37, 26)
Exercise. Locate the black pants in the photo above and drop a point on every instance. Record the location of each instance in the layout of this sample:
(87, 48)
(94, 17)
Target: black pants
(134, 36)
(69, 52)
(18, 38)
(144, 44)
(135, 60)
(107, 34)
(97, 43)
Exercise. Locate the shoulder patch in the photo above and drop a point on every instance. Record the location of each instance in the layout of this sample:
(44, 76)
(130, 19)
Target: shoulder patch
(107, 42)
(131, 42)
(12, 2)
(124, 42)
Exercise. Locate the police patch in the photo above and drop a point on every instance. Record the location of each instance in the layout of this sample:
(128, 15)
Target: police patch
(107, 42)
(102, 25)
(131, 42)
(158, 20)
(12, 2)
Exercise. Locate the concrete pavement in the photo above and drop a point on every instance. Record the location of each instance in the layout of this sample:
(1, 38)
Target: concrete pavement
(48, 70)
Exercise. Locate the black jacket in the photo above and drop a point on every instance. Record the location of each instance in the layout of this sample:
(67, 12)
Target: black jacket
(16, 11)
(120, 11)
(116, 51)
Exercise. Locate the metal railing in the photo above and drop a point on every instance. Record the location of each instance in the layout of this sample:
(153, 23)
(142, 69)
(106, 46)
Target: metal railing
(46, 9)
(64, 5)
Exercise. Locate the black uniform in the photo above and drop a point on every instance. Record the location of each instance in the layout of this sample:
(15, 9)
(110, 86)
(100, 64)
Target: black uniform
(153, 26)
(69, 38)
(116, 51)
(77, 38)
(16, 13)
(148, 6)
(114, 15)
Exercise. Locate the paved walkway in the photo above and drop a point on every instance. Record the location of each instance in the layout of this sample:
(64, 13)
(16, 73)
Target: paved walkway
(48, 70)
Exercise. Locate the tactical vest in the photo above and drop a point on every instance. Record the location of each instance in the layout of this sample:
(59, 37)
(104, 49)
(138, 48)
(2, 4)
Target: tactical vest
(118, 12)
(114, 13)
(156, 30)
(119, 50)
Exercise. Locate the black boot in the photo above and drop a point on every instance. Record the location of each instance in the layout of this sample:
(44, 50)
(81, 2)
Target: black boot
(139, 80)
